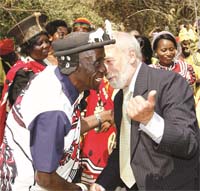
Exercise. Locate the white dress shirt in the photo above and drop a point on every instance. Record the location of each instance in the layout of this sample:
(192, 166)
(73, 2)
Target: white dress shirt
(155, 127)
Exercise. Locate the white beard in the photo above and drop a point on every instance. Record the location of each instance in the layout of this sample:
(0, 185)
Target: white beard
(123, 77)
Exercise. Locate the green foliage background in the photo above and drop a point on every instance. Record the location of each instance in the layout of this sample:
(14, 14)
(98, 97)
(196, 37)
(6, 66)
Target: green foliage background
(142, 15)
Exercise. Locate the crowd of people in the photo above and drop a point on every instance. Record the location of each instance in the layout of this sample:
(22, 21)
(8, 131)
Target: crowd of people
(83, 109)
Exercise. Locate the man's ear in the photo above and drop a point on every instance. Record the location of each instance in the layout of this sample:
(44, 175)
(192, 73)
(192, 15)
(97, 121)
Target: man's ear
(132, 56)
(131, 53)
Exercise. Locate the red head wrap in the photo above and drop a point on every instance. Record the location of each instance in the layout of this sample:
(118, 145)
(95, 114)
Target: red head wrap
(6, 46)
(82, 20)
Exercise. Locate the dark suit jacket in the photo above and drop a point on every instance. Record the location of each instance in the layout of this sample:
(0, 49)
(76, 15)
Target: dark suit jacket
(174, 163)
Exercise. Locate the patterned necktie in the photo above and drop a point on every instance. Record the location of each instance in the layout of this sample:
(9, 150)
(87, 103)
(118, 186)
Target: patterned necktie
(126, 172)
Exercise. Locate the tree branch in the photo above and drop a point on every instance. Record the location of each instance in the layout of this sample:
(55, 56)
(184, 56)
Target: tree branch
(144, 10)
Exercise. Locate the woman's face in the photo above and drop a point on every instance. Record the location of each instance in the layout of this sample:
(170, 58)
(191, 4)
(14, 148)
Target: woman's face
(166, 52)
(40, 49)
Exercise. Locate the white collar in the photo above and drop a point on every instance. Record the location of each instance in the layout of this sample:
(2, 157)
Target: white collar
(131, 87)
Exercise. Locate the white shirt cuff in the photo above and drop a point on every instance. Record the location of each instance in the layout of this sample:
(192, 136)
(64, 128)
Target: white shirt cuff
(155, 128)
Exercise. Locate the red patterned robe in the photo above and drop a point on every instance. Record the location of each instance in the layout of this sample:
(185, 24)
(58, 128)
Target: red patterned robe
(180, 67)
(97, 146)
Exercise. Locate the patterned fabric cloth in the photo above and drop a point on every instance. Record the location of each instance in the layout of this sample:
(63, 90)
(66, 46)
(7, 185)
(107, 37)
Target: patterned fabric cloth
(7, 164)
(45, 137)
(5, 106)
(194, 60)
(8, 167)
(180, 67)
(97, 146)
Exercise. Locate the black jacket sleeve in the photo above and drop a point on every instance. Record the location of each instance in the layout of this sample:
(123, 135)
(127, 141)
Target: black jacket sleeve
(21, 79)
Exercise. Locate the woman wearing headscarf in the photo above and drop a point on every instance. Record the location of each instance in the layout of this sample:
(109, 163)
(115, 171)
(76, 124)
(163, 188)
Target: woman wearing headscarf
(166, 50)
(34, 44)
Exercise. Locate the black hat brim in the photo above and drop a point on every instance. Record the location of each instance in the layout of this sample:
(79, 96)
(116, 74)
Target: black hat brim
(77, 42)
(84, 48)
